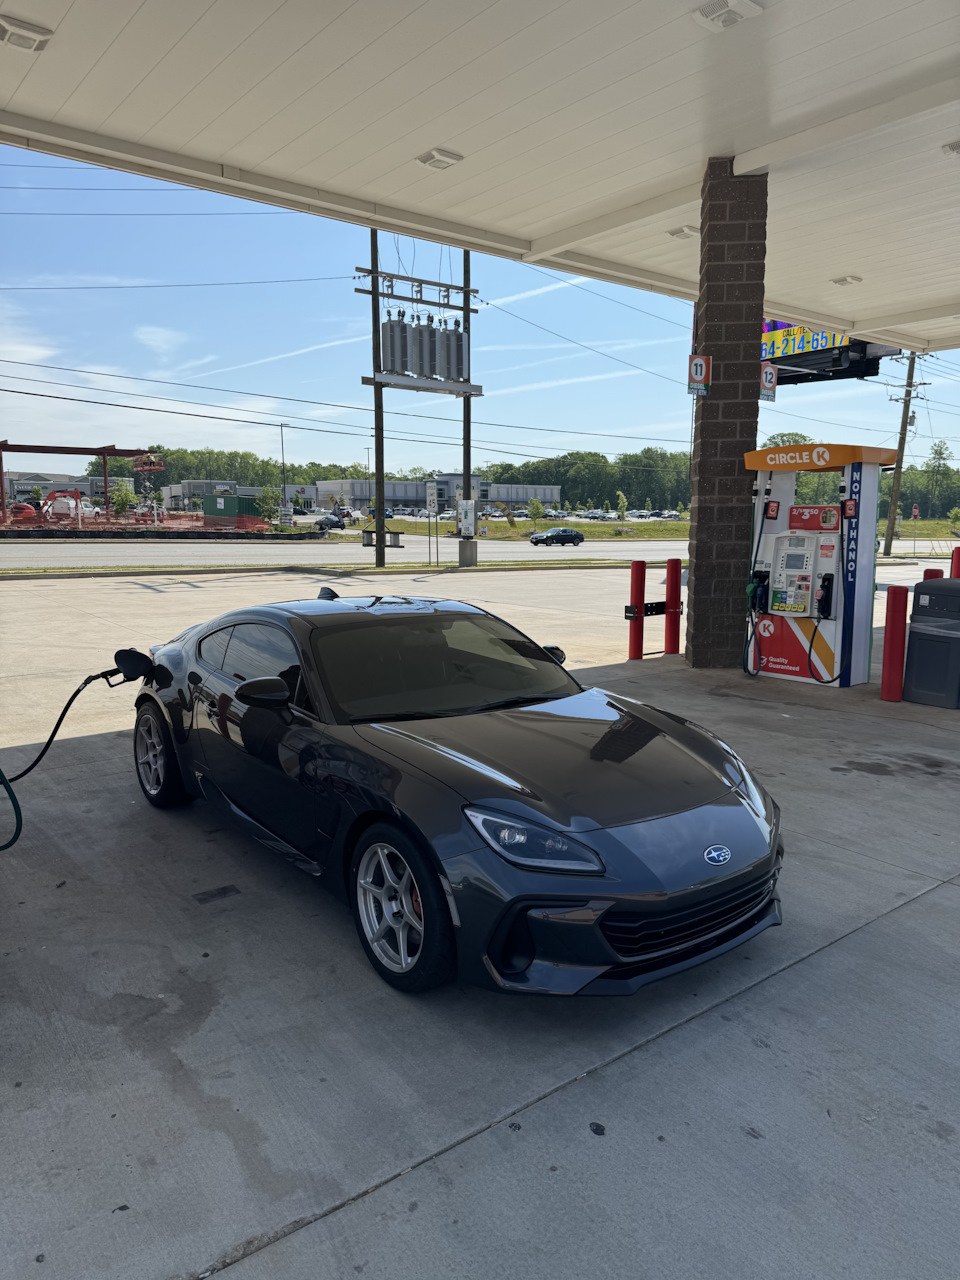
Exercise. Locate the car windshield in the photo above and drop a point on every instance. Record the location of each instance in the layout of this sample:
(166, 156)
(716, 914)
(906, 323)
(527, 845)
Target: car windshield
(412, 667)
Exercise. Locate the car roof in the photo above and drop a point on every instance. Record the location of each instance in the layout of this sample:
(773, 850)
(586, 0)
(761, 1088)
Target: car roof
(318, 612)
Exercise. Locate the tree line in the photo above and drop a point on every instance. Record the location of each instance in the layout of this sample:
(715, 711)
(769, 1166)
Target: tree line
(652, 478)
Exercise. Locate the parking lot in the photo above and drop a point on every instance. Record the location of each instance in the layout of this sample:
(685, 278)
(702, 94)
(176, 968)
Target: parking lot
(201, 1084)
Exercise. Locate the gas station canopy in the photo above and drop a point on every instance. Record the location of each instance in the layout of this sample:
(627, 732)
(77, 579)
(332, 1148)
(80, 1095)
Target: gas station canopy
(565, 134)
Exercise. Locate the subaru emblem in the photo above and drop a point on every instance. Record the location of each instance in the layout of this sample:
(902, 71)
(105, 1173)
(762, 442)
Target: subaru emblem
(717, 855)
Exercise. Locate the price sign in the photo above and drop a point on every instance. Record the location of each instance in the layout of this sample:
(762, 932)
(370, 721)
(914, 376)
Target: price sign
(698, 375)
(768, 381)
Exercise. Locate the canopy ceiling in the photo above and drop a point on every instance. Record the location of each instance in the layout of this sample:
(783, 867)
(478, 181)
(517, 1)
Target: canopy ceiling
(584, 129)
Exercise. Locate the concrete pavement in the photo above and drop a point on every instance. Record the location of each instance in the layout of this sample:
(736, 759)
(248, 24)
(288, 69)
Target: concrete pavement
(228, 1085)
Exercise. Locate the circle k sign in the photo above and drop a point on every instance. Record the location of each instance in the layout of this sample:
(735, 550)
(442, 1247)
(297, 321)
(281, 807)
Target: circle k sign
(766, 628)
(821, 455)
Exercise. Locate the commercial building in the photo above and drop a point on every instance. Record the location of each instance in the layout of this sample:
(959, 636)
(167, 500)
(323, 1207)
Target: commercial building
(358, 493)
(19, 485)
(413, 493)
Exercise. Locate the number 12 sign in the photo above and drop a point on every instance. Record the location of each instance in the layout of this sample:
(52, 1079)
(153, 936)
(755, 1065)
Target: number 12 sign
(698, 375)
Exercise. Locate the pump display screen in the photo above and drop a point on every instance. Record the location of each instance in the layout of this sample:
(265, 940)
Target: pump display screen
(794, 560)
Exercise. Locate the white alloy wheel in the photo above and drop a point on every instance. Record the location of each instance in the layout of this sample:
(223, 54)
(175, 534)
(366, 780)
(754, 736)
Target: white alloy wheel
(390, 908)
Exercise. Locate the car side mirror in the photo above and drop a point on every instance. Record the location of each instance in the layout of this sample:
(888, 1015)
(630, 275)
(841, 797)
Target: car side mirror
(269, 692)
(555, 652)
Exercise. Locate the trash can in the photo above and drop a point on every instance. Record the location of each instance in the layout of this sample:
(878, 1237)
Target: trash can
(932, 674)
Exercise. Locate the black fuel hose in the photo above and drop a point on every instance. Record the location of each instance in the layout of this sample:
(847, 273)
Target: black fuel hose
(6, 782)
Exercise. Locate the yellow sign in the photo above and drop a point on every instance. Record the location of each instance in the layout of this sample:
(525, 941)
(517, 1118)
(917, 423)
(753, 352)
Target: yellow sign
(798, 341)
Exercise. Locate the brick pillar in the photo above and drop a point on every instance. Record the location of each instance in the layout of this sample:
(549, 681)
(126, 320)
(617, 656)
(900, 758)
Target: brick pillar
(733, 230)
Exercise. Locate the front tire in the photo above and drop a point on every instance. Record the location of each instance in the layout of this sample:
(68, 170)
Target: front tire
(401, 912)
(158, 770)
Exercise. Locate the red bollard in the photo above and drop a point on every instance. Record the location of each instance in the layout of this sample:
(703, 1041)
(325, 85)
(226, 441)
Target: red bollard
(638, 581)
(955, 563)
(671, 621)
(894, 645)
(932, 573)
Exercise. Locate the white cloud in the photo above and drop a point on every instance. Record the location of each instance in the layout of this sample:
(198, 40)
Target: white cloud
(162, 342)
(18, 341)
(533, 293)
(564, 382)
(284, 355)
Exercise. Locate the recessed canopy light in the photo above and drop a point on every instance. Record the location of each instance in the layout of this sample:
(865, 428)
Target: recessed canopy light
(952, 149)
(23, 35)
(717, 15)
(845, 280)
(436, 158)
(684, 233)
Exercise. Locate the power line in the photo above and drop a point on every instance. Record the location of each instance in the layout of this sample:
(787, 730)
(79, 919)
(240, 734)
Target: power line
(192, 284)
(159, 189)
(606, 297)
(584, 345)
(237, 213)
(329, 404)
(252, 422)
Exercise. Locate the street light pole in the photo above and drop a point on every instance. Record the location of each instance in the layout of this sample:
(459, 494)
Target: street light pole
(283, 469)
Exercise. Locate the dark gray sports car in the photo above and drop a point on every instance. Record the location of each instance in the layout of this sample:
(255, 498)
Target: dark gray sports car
(482, 813)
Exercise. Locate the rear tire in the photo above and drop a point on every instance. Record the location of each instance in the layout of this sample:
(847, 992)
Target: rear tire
(155, 759)
(401, 912)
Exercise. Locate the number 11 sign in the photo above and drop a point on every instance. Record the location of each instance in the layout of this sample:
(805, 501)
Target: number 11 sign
(698, 375)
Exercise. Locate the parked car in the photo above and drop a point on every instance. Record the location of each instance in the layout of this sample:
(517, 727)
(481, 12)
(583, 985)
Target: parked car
(557, 538)
(447, 515)
(522, 513)
(329, 522)
(403, 511)
(560, 515)
(423, 514)
(627, 844)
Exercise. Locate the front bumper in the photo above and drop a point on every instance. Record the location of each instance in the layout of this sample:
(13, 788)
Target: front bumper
(613, 943)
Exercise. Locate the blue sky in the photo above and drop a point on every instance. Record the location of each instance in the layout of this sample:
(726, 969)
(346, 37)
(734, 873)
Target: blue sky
(259, 343)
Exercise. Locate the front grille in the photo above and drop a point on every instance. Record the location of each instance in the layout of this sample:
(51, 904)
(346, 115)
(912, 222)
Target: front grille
(635, 934)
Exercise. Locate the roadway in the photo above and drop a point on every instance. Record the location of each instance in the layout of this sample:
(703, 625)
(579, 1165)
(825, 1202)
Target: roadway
(93, 552)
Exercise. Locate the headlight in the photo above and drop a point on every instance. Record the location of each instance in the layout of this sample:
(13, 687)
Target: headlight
(527, 844)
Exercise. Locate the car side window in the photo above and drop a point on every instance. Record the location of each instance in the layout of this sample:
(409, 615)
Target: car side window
(257, 650)
(212, 648)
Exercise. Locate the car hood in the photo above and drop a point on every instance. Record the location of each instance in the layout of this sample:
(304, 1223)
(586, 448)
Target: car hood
(591, 760)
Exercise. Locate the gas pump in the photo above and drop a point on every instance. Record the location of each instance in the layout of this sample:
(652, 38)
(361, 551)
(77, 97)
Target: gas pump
(811, 588)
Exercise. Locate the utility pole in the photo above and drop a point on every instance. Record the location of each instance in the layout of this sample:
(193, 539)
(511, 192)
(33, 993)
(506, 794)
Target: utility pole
(379, 502)
(283, 469)
(898, 468)
(467, 553)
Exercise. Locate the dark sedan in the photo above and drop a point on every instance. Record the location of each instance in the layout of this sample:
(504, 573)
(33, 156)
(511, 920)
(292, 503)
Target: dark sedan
(557, 538)
(482, 813)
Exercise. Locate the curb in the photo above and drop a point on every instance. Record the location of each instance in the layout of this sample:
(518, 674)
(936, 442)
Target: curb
(330, 571)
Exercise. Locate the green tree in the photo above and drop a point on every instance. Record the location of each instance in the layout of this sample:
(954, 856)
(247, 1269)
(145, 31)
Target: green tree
(268, 504)
(606, 504)
(536, 510)
(938, 469)
(36, 493)
(121, 498)
(953, 515)
(621, 506)
(786, 440)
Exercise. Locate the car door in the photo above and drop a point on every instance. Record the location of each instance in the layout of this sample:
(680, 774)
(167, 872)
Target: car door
(264, 761)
